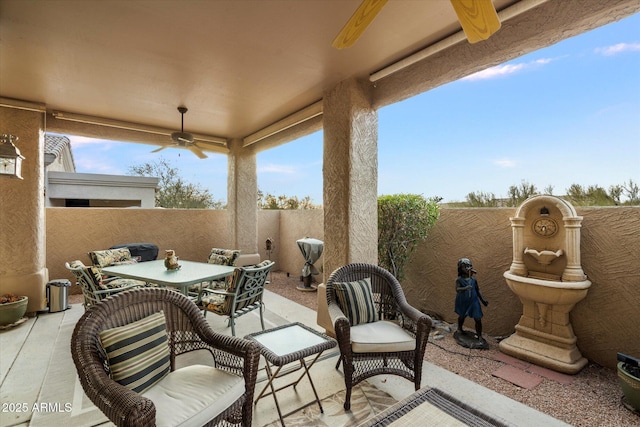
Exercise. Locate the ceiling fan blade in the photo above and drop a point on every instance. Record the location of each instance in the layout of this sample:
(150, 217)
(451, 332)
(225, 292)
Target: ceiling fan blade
(478, 18)
(158, 149)
(359, 22)
(197, 151)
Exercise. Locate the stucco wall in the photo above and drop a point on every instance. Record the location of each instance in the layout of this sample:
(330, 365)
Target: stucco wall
(22, 235)
(296, 225)
(606, 321)
(72, 232)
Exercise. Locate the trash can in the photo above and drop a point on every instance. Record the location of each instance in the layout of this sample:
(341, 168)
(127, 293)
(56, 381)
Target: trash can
(58, 295)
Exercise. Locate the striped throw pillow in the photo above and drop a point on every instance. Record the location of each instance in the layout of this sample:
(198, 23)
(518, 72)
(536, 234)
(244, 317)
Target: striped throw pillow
(138, 353)
(356, 301)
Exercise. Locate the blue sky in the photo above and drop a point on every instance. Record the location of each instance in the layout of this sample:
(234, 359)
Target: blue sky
(566, 114)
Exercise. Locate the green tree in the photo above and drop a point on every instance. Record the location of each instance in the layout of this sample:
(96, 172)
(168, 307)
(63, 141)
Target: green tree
(632, 192)
(269, 201)
(173, 191)
(518, 194)
(592, 195)
(403, 221)
(480, 199)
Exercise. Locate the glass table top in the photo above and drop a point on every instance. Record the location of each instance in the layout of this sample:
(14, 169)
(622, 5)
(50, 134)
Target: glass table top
(289, 339)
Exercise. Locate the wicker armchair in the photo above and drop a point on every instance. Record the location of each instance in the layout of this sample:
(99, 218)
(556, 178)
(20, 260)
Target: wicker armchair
(184, 396)
(394, 341)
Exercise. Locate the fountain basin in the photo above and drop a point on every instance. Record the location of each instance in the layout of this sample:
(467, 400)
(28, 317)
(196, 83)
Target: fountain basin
(544, 257)
(544, 335)
(547, 291)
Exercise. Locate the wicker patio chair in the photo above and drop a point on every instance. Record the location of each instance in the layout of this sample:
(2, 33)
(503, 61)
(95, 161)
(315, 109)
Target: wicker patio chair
(219, 392)
(243, 294)
(390, 339)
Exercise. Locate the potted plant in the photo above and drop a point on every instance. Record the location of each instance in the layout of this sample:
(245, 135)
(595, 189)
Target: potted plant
(12, 308)
(629, 379)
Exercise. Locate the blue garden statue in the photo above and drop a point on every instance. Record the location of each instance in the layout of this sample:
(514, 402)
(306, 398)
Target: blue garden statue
(468, 299)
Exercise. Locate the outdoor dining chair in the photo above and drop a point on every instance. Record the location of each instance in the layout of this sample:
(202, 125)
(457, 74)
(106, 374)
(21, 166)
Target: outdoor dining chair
(377, 331)
(127, 353)
(242, 295)
(94, 286)
(216, 256)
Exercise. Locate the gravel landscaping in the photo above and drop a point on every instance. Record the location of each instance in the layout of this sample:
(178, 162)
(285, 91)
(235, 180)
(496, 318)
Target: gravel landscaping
(593, 397)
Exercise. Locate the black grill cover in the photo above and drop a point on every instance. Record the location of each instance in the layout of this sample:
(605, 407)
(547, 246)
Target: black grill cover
(146, 251)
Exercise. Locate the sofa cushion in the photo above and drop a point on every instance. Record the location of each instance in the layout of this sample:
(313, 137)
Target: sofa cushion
(261, 264)
(138, 353)
(356, 301)
(117, 283)
(216, 303)
(92, 272)
(193, 395)
(223, 256)
(245, 260)
(381, 337)
(109, 257)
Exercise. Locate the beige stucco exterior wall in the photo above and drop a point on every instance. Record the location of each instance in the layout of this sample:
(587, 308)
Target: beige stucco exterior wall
(605, 322)
(22, 222)
(72, 232)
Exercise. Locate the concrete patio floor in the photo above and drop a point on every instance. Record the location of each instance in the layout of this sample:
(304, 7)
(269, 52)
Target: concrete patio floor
(26, 358)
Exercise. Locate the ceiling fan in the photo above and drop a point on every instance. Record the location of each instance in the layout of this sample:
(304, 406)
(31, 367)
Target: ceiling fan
(184, 139)
(478, 18)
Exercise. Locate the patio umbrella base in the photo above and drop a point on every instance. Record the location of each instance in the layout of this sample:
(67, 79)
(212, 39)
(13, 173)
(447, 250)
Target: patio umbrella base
(311, 288)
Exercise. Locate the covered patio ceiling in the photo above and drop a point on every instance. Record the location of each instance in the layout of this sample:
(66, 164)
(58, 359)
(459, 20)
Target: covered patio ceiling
(243, 66)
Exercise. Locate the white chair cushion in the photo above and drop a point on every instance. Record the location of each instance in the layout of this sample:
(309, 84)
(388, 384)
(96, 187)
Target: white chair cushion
(380, 337)
(193, 395)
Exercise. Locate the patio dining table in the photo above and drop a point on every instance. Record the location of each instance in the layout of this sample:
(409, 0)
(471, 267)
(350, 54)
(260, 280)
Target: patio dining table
(190, 273)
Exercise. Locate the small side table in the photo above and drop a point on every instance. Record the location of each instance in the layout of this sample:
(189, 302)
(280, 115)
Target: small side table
(287, 344)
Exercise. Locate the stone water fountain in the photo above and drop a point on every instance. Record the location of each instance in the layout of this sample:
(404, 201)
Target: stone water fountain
(547, 277)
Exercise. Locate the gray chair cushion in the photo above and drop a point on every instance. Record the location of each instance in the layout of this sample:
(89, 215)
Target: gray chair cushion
(380, 337)
(193, 395)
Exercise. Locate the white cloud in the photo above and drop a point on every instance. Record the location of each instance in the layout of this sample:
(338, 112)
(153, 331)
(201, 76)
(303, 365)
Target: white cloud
(618, 48)
(504, 70)
(505, 163)
(97, 165)
(77, 141)
(283, 169)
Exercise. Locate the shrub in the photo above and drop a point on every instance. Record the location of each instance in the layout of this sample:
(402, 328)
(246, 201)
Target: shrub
(403, 221)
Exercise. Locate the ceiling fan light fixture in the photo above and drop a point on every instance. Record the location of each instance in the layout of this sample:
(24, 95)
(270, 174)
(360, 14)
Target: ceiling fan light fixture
(182, 138)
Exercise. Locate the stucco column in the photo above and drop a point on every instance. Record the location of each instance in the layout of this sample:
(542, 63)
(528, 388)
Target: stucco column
(242, 198)
(22, 215)
(350, 176)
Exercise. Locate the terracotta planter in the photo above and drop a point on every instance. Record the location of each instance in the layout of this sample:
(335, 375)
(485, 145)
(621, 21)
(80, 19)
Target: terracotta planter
(630, 387)
(11, 312)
